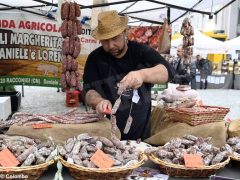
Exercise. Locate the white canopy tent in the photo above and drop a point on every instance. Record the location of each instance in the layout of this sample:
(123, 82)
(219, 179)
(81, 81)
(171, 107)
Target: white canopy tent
(233, 45)
(139, 11)
(202, 44)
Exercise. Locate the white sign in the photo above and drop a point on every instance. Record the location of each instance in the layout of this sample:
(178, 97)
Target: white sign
(135, 97)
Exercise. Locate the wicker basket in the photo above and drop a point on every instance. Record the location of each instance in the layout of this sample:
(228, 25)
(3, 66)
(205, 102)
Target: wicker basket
(235, 161)
(197, 115)
(27, 172)
(80, 172)
(176, 170)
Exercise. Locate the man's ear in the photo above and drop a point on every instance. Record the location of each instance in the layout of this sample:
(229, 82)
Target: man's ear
(125, 32)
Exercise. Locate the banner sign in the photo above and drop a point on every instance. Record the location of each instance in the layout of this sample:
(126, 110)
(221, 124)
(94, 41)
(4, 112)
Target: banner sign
(30, 49)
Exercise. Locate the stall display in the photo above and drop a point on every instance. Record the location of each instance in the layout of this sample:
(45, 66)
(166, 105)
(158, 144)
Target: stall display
(79, 153)
(179, 97)
(71, 47)
(188, 41)
(172, 159)
(73, 116)
(29, 157)
(233, 145)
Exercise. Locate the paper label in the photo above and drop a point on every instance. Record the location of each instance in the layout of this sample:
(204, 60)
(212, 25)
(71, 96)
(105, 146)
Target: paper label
(135, 97)
(193, 160)
(101, 159)
(7, 159)
(41, 126)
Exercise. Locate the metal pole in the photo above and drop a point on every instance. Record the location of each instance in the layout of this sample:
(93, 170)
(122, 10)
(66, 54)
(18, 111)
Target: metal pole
(216, 12)
(180, 7)
(23, 9)
(145, 10)
(168, 14)
(23, 90)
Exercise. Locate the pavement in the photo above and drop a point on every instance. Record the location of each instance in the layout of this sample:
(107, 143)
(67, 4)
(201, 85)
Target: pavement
(223, 97)
(48, 101)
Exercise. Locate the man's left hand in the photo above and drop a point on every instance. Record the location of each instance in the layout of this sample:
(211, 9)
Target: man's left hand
(133, 79)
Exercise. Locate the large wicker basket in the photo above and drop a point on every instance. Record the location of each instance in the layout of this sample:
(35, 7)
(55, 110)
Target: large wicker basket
(176, 170)
(197, 115)
(27, 172)
(80, 172)
(235, 161)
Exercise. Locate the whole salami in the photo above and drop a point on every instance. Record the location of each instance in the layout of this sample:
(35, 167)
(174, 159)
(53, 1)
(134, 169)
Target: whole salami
(70, 28)
(72, 11)
(77, 48)
(64, 64)
(79, 27)
(64, 28)
(65, 10)
(77, 10)
(65, 46)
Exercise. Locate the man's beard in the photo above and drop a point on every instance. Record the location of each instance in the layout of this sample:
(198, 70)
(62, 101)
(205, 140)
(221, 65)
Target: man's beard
(117, 52)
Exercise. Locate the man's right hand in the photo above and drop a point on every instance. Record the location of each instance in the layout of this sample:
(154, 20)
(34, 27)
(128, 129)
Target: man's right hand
(103, 106)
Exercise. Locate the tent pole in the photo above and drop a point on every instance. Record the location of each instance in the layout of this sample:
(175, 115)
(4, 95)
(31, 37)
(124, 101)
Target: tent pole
(142, 10)
(186, 11)
(168, 14)
(23, 9)
(224, 7)
(146, 20)
(128, 7)
(47, 3)
(179, 7)
(108, 4)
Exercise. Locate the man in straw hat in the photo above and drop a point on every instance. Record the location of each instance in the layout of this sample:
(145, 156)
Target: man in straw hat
(133, 65)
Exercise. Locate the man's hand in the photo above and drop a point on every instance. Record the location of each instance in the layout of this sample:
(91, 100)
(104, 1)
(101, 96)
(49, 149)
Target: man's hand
(103, 106)
(133, 79)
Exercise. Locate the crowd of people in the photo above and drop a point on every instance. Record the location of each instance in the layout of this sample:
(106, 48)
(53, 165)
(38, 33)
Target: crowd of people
(198, 63)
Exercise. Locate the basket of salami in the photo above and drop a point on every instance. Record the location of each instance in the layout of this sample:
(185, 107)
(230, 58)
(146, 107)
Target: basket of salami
(234, 147)
(172, 160)
(30, 158)
(197, 115)
(78, 152)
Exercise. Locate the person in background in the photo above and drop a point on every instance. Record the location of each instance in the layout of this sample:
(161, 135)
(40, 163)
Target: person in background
(135, 66)
(193, 72)
(181, 77)
(175, 61)
(203, 66)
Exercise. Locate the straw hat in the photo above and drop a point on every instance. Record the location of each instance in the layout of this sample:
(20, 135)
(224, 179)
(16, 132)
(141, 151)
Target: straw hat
(110, 24)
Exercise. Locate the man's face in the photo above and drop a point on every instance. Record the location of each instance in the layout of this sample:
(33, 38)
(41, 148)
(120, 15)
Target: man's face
(198, 58)
(115, 46)
(179, 52)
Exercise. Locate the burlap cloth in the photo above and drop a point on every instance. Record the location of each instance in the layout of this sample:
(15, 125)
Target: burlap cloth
(163, 130)
(234, 128)
(61, 132)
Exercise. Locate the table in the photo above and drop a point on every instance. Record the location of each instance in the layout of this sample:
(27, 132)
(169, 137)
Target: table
(221, 81)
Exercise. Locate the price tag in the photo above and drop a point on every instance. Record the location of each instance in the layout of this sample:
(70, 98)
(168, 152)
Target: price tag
(101, 160)
(41, 126)
(7, 159)
(193, 160)
(135, 97)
